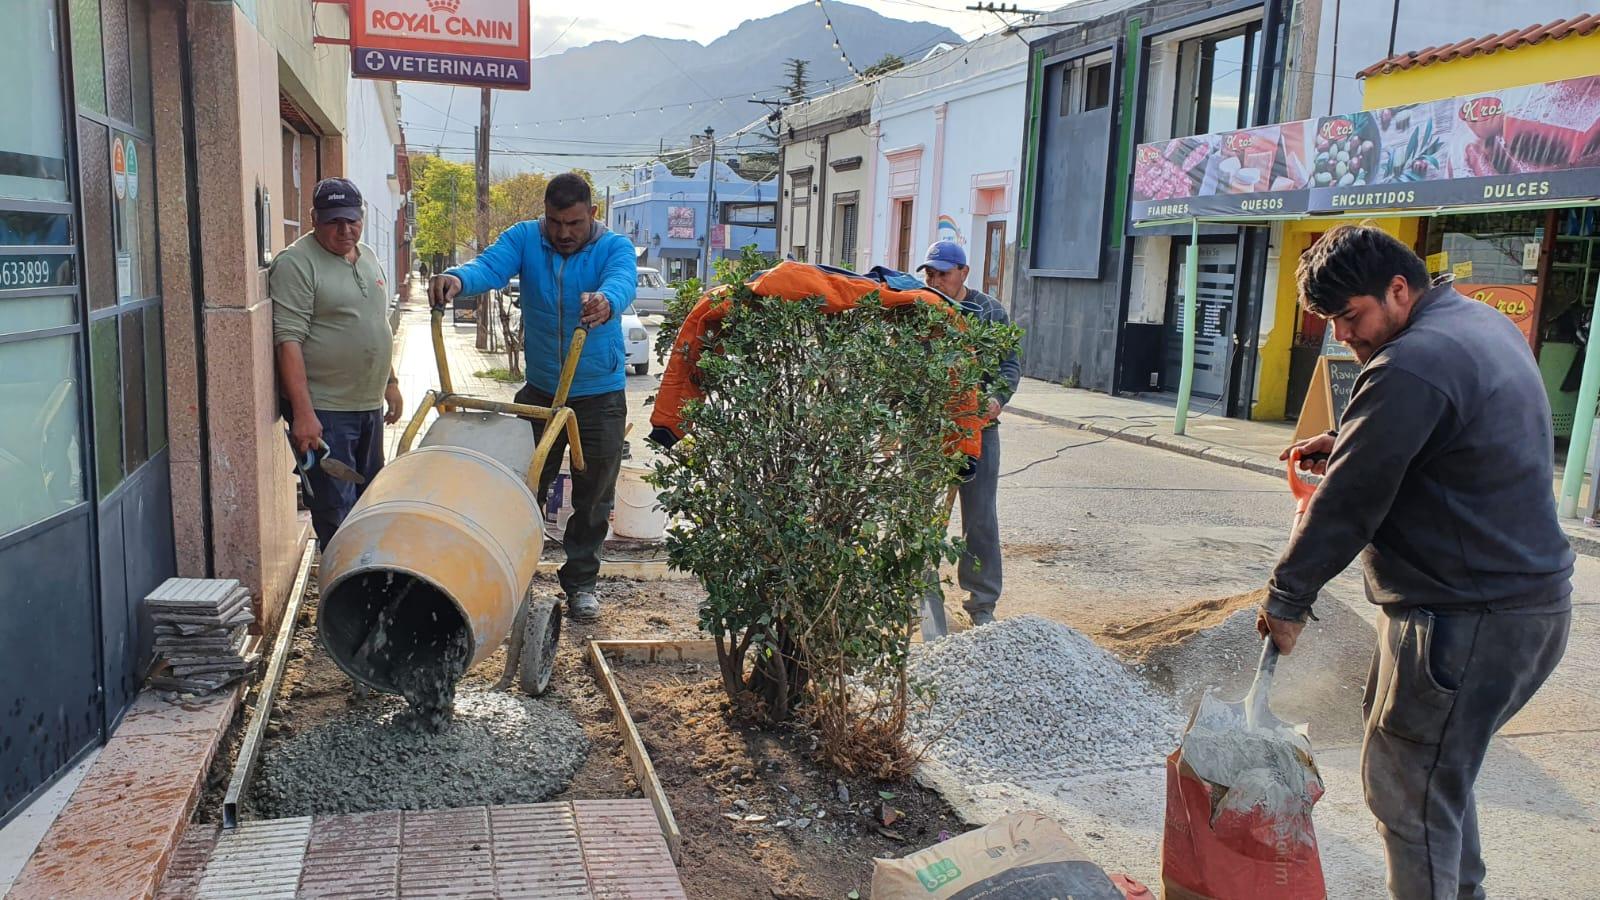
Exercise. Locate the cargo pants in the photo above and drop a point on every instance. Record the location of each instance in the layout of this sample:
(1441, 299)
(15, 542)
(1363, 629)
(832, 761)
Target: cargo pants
(979, 570)
(1442, 683)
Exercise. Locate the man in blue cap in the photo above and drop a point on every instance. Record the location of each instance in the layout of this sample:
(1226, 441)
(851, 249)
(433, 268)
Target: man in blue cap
(978, 572)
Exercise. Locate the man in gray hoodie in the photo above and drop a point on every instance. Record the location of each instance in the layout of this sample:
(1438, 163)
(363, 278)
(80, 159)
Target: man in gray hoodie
(1439, 477)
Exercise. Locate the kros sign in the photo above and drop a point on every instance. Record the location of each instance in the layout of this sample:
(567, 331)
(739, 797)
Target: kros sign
(480, 43)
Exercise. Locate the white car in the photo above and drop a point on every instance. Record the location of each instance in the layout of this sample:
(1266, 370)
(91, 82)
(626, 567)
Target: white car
(653, 293)
(637, 341)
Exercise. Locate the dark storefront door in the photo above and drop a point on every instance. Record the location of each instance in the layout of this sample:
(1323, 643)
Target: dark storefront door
(1214, 309)
(85, 497)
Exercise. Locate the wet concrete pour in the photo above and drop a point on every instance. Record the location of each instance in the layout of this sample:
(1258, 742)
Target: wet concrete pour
(499, 748)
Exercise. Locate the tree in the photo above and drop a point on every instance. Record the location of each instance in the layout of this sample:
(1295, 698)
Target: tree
(810, 491)
(799, 85)
(888, 63)
(447, 204)
(515, 199)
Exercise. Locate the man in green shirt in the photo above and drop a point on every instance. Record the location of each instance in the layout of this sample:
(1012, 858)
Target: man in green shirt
(330, 322)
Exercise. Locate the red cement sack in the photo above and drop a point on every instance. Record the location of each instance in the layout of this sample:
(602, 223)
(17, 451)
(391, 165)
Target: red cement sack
(1240, 831)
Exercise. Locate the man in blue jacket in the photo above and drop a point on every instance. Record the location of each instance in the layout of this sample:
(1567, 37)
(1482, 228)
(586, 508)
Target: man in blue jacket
(574, 274)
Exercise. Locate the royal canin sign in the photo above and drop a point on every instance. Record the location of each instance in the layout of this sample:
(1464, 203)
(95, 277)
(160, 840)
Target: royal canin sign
(479, 43)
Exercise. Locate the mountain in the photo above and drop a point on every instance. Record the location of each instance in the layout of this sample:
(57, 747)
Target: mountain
(632, 96)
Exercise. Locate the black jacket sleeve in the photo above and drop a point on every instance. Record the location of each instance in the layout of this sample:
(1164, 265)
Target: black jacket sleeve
(1392, 417)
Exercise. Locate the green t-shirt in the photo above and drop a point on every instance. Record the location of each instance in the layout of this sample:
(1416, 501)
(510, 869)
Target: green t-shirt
(339, 314)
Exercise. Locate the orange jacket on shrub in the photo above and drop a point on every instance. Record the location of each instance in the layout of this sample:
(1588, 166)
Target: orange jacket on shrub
(790, 281)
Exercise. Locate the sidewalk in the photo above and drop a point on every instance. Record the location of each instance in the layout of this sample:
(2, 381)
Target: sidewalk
(1232, 442)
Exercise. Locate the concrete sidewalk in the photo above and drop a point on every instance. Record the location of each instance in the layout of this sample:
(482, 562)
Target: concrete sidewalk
(1232, 442)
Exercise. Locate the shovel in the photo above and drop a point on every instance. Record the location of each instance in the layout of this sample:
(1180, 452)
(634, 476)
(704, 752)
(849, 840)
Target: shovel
(934, 625)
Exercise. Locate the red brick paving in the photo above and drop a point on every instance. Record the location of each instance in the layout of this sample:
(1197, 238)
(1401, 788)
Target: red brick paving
(550, 851)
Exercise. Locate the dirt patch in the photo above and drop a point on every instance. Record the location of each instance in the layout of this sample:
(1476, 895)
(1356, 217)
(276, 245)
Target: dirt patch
(1138, 641)
(759, 818)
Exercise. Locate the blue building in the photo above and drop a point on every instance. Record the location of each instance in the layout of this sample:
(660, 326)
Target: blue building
(665, 217)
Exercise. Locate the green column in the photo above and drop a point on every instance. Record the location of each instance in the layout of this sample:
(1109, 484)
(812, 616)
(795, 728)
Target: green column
(1191, 287)
(1582, 422)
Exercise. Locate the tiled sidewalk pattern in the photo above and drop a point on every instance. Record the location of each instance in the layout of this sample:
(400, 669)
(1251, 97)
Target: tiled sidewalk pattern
(551, 851)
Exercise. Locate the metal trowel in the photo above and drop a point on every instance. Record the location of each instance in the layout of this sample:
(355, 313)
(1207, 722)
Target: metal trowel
(321, 457)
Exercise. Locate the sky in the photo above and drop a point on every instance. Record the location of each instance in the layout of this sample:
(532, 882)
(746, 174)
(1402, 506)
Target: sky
(620, 20)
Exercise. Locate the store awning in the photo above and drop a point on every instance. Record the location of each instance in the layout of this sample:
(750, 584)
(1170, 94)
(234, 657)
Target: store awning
(1527, 147)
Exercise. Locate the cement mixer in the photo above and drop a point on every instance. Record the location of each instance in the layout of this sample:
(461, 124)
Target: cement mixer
(432, 570)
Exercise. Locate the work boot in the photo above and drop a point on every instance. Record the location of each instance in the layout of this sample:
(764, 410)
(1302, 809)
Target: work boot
(583, 605)
(980, 616)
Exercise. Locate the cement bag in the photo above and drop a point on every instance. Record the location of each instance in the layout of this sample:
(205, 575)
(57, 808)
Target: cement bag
(1239, 804)
(1024, 856)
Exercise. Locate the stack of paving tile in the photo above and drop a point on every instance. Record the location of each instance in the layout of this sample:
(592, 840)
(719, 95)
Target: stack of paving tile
(201, 628)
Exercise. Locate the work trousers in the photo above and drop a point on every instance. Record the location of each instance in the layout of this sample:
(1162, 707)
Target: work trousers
(1442, 683)
(602, 422)
(355, 439)
(979, 570)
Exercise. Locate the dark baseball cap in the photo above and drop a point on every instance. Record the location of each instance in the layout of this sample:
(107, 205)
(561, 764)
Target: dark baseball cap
(336, 199)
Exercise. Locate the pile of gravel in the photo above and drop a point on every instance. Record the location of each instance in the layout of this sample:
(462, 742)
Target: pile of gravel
(499, 748)
(1028, 698)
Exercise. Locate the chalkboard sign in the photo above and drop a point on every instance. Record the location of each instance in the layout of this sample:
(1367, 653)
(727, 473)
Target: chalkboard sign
(1332, 382)
(1341, 382)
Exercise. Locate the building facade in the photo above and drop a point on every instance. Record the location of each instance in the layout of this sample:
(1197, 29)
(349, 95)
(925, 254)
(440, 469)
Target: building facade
(665, 216)
(1100, 300)
(825, 152)
(376, 163)
(148, 155)
(946, 133)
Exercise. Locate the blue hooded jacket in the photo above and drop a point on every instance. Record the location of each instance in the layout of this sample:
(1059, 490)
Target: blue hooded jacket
(552, 285)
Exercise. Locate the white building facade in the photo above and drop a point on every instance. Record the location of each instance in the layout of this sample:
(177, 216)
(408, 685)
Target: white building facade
(947, 146)
(374, 155)
(824, 152)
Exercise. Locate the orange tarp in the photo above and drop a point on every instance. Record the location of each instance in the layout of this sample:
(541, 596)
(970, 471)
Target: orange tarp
(788, 281)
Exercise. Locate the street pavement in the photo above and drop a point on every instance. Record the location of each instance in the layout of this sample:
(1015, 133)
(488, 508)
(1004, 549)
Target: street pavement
(1101, 532)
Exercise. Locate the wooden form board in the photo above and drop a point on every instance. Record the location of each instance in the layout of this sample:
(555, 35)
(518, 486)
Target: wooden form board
(644, 771)
(1332, 383)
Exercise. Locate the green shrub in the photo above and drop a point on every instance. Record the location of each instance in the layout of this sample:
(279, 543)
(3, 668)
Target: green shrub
(810, 502)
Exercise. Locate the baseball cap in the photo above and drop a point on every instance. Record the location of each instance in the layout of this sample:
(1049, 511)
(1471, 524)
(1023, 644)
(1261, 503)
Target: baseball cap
(944, 256)
(336, 199)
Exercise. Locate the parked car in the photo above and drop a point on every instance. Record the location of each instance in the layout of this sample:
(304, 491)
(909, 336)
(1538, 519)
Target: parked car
(638, 341)
(653, 294)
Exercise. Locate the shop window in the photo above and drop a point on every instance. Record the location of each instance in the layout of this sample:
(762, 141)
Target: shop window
(133, 206)
(139, 62)
(40, 472)
(105, 378)
(94, 161)
(119, 76)
(1097, 86)
(155, 387)
(88, 57)
(33, 162)
(1217, 76)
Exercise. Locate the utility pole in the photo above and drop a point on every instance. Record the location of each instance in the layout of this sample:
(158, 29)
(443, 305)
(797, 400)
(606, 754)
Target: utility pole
(483, 210)
(711, 200)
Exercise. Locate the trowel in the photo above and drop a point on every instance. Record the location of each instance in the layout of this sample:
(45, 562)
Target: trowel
(321, 457)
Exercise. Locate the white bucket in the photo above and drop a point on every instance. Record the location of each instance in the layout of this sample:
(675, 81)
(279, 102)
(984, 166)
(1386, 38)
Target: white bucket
(637, 513)
(558, 505)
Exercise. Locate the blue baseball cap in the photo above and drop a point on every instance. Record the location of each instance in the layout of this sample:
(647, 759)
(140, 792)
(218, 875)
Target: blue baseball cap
(944, 256)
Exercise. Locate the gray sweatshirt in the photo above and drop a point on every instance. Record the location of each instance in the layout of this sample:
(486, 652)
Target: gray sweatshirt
(1440, 475)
